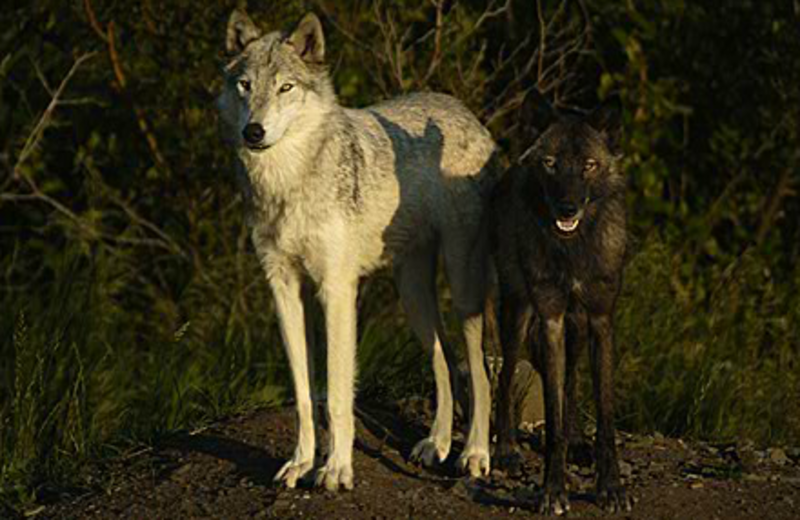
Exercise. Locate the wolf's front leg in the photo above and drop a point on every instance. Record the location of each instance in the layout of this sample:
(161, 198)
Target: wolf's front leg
(285, 284)
(339, 300)
(554, 499)
(611, 494)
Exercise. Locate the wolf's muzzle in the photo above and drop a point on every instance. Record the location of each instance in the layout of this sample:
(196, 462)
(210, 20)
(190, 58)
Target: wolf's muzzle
(567, 209)
(253, 134)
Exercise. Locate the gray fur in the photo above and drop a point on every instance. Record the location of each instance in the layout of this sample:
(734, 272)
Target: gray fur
(336, 193)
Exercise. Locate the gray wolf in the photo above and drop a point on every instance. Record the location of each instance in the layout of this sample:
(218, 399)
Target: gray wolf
(336, 193)
(558, 242)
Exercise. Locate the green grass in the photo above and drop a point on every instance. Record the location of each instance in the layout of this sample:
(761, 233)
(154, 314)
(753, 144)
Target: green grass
(84, 376)
(87, 376)
(724, 367)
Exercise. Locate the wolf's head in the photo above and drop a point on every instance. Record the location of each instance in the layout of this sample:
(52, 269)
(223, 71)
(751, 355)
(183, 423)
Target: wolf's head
(573, 163)
(275, 85)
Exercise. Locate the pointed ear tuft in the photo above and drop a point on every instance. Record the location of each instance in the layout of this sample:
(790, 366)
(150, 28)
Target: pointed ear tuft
(308, 40)
(607, 119)
(241, 31)
(536, 113)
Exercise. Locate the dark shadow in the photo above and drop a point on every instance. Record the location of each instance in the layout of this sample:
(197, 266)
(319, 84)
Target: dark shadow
(393, 431)
(412, 156)
(254, 463)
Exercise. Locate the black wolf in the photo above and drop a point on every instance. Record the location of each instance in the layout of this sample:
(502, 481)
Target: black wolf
(559, 236)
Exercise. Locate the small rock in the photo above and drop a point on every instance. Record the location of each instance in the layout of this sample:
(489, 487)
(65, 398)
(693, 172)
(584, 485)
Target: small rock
(463, 489)
(778, 456)
(625, 469)
(642, 443)
(696, 485)
(794, 454)
(526, 495)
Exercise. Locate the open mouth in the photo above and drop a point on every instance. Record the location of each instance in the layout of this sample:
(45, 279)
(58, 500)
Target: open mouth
(567, 225)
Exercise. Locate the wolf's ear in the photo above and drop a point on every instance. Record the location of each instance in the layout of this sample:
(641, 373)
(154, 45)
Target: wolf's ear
(241, 31)
(308, 40)
(607, 119)
(536, 113)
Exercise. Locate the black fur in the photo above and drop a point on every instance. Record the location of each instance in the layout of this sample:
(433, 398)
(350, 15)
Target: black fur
(558, 287)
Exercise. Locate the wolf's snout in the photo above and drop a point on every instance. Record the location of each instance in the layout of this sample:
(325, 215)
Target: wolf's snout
(567, 209)
(253, 133)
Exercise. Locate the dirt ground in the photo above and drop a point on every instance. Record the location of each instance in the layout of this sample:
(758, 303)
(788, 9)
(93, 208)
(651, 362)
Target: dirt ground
(226, 471)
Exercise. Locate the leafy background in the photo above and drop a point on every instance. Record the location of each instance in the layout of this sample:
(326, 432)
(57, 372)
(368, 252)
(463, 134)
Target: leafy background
(132, 306)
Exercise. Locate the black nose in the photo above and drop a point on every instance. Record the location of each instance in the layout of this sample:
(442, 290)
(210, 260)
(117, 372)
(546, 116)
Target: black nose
(253, 133)
(567, 209)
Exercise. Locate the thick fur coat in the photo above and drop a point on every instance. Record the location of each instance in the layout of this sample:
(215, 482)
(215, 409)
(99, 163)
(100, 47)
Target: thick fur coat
(335, 193)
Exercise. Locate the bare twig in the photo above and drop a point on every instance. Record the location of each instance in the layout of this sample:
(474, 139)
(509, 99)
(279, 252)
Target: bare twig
(489, 13)
(87, 6)
(141, 120)
(46, 118)
(107, 35)
(772, 205)
(166, 241)
(437, 49)
(542, 40)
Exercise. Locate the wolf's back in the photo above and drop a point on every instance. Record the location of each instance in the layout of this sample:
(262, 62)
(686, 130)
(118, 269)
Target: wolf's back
(441, 127)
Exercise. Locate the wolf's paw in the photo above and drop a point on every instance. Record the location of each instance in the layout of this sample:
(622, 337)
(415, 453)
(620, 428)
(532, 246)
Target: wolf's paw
(554, 501)
(334, 474)
(509, 461)
(613, 499)
(430, 451)
(475, 461)
(293, 471)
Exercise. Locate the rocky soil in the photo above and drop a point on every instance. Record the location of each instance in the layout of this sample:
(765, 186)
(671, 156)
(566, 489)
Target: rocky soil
(226, 471)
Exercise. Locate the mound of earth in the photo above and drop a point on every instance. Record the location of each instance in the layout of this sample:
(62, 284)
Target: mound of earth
(226, 471)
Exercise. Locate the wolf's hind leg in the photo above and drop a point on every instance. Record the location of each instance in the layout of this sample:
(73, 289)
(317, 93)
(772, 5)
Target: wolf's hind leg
(416, 282)
(466, 261)
(515, 319)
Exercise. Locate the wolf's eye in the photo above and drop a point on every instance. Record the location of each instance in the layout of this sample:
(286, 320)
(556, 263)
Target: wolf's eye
(243, 85)
(590, 166)
(549, 161)
(286, 87)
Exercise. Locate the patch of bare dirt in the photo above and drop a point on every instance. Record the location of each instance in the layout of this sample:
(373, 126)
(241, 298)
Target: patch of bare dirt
(226, 471)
